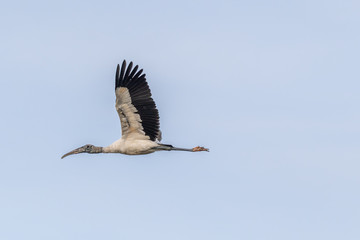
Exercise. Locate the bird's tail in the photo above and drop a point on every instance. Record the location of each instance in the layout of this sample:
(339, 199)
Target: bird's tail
(168, 147)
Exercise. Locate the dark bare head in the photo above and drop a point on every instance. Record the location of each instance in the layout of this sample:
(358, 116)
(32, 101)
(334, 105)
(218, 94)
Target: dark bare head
(88, 148)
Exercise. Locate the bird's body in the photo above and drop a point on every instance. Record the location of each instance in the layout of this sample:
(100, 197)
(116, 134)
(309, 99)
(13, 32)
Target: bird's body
(131, 146)
(138, 115)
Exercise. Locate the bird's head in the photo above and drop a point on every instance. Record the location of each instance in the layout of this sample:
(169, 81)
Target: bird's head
(88, 148)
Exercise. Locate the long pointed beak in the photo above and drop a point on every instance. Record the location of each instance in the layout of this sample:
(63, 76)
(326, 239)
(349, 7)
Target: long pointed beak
(76, 151)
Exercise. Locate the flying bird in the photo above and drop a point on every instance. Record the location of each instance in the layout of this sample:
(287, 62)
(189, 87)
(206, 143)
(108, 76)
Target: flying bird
(138, 115)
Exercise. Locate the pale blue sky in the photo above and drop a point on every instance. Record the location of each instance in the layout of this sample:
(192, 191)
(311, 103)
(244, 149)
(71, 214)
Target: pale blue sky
(271, 87)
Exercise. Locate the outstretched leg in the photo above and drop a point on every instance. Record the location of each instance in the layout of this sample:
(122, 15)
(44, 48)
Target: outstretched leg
(166, 147)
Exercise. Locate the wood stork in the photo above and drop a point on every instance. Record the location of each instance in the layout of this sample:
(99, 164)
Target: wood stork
(138, 116)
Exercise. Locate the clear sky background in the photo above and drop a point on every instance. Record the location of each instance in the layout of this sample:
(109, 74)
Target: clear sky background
(271, 87)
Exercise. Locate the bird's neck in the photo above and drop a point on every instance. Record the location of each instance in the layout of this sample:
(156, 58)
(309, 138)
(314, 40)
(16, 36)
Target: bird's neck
(96, 149)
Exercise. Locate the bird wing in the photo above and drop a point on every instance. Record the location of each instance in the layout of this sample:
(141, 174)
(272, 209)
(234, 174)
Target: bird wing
(137, 110)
